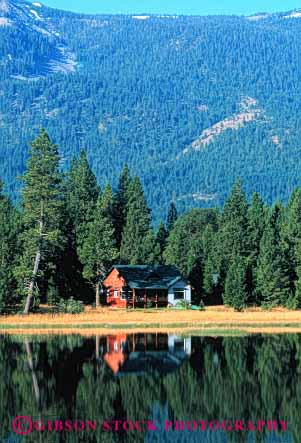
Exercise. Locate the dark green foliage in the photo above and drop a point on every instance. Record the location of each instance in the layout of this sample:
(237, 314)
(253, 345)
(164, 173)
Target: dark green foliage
(172, 216)
(272, 273)
(120, 204)
(291, 237)
(82, 192)
(42, 217)
(9, 230)
(235, 287)
(138, 242)
(245, 254)
(98, 251)
(70, 306)
(232, 238)
(185, 244)
(256, 223)
(234, 224)
(161, 238)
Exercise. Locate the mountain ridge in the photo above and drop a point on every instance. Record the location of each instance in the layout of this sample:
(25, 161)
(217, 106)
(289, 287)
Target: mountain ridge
(143, 91)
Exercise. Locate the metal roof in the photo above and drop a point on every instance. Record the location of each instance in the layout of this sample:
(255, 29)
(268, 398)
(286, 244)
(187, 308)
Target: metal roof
(149, 276)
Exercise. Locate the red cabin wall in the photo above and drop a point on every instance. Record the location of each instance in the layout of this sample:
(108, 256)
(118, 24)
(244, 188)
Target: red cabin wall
(114, 281)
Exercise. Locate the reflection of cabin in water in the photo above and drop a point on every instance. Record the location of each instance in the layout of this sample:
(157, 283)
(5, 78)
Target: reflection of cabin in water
(140, 353)
(146, 286)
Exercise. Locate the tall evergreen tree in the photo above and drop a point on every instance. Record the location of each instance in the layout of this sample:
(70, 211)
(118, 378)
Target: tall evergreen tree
(120, 204)
(82, 193)
(291, 239)
(185, 244)
(234, 224)
(161, 239)
(42, 238)
(172, 216)
(137, 238)
(9, 230)
(272, 279)
(235, 287)
(211, 265)
(98, 251)
(233, 229)
(256, 223)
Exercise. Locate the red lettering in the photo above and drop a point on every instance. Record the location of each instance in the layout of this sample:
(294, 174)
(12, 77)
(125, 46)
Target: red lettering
(151, 426)
(58, 426)
(106, 426)
(239, 425)
(214, 425)
(92, 425)
(272, 425)
(39, 426)
(284, 425)
(227, 425)
(117, 423)
(179, 426)
(168, 424)
(68, 425)
(260, 425)
(251, 426)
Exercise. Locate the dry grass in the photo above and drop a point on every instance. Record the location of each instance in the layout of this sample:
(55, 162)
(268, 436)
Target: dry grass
(103, 320)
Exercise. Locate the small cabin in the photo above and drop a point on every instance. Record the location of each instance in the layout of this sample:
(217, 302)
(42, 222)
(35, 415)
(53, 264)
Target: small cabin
(145, 286)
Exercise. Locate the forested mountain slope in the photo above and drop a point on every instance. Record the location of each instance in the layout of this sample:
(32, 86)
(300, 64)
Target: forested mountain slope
(189, 103)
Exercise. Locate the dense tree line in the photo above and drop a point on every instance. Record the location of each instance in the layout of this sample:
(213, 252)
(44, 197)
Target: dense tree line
(67, 233)
(144, 90)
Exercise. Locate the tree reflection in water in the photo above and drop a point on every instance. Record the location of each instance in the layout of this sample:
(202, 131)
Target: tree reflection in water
(156, 377)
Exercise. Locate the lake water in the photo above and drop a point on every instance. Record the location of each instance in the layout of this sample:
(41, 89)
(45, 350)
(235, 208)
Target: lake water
(150, 388)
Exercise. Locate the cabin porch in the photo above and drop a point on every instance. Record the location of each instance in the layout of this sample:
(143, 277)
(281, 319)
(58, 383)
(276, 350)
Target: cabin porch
(146, 298)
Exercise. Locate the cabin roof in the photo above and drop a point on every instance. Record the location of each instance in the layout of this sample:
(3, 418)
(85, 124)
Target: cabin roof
(149, 276)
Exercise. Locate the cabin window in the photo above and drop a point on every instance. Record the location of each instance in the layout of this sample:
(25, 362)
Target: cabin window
(179, 294)
(123, 294)
(115, 293)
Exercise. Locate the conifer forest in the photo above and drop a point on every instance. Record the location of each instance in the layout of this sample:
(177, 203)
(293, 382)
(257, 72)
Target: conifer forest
(65, 233)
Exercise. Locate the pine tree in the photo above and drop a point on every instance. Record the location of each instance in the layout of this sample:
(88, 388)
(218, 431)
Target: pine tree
(211, 266)
(291, 240)
(172, 216)
(161, 239)
(120, 204)
(297, 282)
(42, 238)
(9, 230)
(234, 224)
(98, 251)
(137, 236)
(185, 244)
(235, 287)
(232, 236)
(82, 193)
(256, 223)
(272, 279)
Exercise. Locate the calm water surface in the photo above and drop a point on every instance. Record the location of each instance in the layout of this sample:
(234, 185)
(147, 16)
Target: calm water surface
(152, 388)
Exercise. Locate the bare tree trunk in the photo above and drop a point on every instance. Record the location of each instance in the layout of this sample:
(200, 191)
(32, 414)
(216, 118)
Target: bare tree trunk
(97, 342)
(36, 266)
(33, 374)
(97, 295)
(35, 382)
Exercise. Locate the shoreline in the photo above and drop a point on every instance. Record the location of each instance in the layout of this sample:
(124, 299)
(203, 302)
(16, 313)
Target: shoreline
(214, 320)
